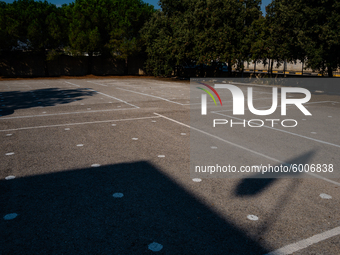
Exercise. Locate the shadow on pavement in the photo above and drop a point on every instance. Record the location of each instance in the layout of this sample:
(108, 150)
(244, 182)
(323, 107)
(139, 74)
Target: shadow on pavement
(260, 182)
(13, 100)
(74, 212)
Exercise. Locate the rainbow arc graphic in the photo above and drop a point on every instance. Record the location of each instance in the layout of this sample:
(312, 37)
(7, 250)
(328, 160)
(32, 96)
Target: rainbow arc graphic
(209, 93)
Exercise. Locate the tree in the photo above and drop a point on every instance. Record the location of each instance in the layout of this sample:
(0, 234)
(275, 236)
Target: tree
(106, 26)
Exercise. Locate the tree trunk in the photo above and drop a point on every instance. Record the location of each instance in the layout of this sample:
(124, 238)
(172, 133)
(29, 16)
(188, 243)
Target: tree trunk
(271, 68)
(46, 73)
(90, 63)
(330, 71)
(229, 68)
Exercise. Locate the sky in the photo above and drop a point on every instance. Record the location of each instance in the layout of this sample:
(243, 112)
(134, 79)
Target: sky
(153, 2)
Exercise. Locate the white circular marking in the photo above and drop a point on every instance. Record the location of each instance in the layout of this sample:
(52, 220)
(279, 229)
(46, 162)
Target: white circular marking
(8, 134)
(10, 177)
(313, 133)
(213, 147)
(155, 246)
(80, 145)
(325, 196)
(113, 125)
(135, 138)
(252, 217)
(161, 156)
(67, 128)
(118, 195)
(10, 216)
(9, 153)
(183, 134)
(196, 180)
(95, 165)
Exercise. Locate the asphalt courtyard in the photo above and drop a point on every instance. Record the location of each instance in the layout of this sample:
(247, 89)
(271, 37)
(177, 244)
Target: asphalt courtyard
(101, 166)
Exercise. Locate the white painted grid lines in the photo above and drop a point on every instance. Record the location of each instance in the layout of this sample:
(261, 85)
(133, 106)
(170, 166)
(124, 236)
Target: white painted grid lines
(291, 248)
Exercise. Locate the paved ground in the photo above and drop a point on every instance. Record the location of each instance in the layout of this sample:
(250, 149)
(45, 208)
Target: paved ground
(101, 166)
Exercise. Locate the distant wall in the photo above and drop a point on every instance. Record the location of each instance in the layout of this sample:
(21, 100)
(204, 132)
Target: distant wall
(28, 64)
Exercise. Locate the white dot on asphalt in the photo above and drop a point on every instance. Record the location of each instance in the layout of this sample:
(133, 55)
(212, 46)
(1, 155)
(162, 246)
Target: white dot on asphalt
(329, 116)
(213, 147)
(10, 177)
(135, 138)
(9, 153)
(95, 165)
(10, 216)
(313, 132)
(155, 246)
(161, 156)
(118, 195)
(183, 133)
(8, 134)
(80, 145)
(325, 196)
(197, 180)
(113, 125)
(67, 129)
(252, 217)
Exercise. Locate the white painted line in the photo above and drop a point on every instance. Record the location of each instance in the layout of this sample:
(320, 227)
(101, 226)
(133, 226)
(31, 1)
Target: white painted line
(95, 165)
(291, 248)
(161, 156)
(80, 145)
(9, 153)
(98, 83)
(80, 123)
(72, 83)
(135, 138)
(252, 217)
(118, 99)
(10, 177)
(287, 132)
(244, 148)
(155, 246)
(161, 98)
(67, 128)
(325, 196)
(118, 195)
(313, 133)
(114, 125)
(8, 134)
(213, 147)
(329, 116)
(10, 216)
(196, 180)
(183, 134)
(65, 113)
